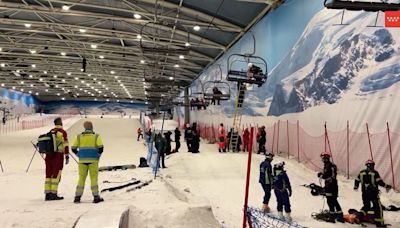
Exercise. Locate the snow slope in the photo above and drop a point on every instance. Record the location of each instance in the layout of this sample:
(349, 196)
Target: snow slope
(196, 190)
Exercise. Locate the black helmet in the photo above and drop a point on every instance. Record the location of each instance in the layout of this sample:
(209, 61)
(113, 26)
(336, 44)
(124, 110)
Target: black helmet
(269, 156)
(279, 166)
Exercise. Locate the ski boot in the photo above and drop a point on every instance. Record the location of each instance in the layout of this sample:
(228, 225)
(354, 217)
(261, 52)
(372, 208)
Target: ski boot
(288, 217)
(280, 215)
(77, 199)
(339, 217)
(265, 208)
(97, 199)
(380, 224)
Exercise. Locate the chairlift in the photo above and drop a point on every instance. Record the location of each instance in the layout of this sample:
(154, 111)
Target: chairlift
(217, 89)
(239, 70)
(156, 30)
(197, 98)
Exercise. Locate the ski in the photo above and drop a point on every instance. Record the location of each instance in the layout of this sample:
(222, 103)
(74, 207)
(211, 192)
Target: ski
(116, 167)
(139, 186)
(120, 186)
(118, 182)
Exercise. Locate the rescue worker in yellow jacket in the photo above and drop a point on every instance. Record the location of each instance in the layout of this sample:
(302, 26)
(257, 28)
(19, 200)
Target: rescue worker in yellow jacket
(89, 147)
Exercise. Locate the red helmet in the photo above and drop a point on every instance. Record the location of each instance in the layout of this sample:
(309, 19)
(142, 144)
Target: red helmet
(370, 162)
(325, 155)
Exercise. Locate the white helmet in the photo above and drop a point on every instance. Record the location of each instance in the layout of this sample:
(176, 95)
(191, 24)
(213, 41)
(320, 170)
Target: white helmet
(250, 65)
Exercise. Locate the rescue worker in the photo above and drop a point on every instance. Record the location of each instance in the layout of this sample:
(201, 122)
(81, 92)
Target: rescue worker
(221, 138)
(246, 140)
(88, 146)
(370, 180)
(55, 161)
(331, 188)
(167, 137)
(139, 133)
(283, 190)
(161, 146)
(266, 180)
(177, 135)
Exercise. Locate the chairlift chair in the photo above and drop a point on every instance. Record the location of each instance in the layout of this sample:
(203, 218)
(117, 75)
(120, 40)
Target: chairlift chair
(155, 30)
(197, 95)
(237, 69)
(224, 87)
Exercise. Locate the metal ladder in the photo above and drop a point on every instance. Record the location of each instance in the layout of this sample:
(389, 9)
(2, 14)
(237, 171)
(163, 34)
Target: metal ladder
(237, 118)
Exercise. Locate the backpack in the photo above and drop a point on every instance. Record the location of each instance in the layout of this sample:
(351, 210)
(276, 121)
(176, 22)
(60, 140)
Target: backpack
(47, 143)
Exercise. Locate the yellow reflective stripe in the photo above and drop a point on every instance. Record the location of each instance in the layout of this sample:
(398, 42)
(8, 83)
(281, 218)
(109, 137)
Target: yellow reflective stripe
(372, 174)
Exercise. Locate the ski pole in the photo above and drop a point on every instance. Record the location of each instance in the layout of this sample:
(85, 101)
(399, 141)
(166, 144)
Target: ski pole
(34, 153)
(74, 158)
(1, 165)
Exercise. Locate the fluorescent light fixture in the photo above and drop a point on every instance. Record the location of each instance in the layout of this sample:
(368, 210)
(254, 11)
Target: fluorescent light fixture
(137, 16)
(63, 80)
(1, 49)
(117, 100)
(41, 79)
(13, 87)
(63, 53)
(75, 86)
(44, 72)
(22, 82)
(63, 98)
(33, 65)
(31, 85)
(112, 72)
(181, 57)
(176, 65)
(58, 94)
(139, 36)
(94, 46)
(69, 73)
(95, 99)
(187, 44)
(81, 69)
(27, 25)
(65, 7)
(101, 56)
(46, 90)
(37, 94)
(171, 78)
(82, 30)
(2, 85)
(33, 51)
(89, 75)
(22, 90)
(55, 76)
(116, 77)
(196, 28)
(83, 82)
(30, 92)
(2, 64)
(18, 71)
(56, 86)
(76, 78)
(94, 79)
(142, 61)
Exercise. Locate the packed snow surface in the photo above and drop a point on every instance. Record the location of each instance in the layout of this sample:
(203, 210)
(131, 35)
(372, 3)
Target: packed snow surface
(196, 190)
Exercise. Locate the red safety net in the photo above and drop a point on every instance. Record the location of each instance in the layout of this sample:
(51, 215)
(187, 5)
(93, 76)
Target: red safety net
(349, 149)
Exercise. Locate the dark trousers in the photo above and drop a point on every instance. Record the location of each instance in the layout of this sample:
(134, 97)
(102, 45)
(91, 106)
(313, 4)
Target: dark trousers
(139, 135)
(333, 204)
(245, 147)
(162, 157)
(189, 144)
(373, 199)
(261, 148)
(282, 199)
(177, 145)
(267, 193)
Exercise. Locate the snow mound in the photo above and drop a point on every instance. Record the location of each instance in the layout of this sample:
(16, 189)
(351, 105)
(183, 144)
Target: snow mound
(173, 215)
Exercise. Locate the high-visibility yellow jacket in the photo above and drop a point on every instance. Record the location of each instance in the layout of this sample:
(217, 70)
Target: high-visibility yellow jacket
(61, 140)
(89, 146)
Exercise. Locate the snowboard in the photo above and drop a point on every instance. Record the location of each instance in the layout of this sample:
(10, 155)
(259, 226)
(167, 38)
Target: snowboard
(116, 167)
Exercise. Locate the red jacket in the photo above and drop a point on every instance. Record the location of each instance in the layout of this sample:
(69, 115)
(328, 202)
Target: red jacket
(246, 137)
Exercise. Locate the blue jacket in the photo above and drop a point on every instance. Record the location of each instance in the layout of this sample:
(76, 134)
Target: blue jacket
(281, 181)
(265, 173)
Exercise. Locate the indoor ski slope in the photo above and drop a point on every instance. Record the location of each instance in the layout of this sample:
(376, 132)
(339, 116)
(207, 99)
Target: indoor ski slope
(196, 190)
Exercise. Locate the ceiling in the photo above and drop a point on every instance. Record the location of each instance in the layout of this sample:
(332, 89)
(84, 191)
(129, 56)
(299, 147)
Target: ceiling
(116, 50)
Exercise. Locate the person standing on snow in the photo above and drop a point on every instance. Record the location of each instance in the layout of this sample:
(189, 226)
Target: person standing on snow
(177, 135)
(55, 161)
(262, 140)
(161, 145)
(246, 140)
(282, 190)
(89, 147)
(189, 137)
(331, 188)
(370, 180)
(221, 138)
(167, 137)
(266, 180)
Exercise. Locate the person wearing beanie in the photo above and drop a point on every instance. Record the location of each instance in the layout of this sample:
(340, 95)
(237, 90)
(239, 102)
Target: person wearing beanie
(88, 146)
(266, 180)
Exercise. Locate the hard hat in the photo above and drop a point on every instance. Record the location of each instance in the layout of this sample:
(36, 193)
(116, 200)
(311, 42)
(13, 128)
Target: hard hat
(369, 162)
(325, 155)
(279, 166)
(250, 65)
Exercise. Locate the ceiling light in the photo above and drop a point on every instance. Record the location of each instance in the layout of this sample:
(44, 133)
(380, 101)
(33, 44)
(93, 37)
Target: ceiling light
(107, 89)
(146, 102)
(2, 64)
(2, 84)
(63, 80)
(55, 76)
(112, 72)
(13, 87)
(171, 78)
(27, 25)
(94, 79)
(30, 76)
(176, 65)
(69, 73)
(1, 49)
(95, 99)
(196, 28)
(31, 85)
(56, 86)
(44, 72)
(121, 85)
(82, 70)
(33, 65)
(83, 82)
(108, 100)
(82, 30)
(142, 61)
(101, 56)
(75, 86)
(30, 92)
(89, 75)
(87, 84)
(65, 7)
(32, 51)
(58, 94)
(18, 71)
(187, 44)
(139, 36)
(116, 77)
(63, 98)
(80, 89)
(99, 83)
(117, 100)
(181, 57)
(22, 90)
(41, 79)
(137, 16)
(37, 94)
(46, 90)
(94, 46)
(63, 53)
(76, 78)
(77, 94)
(92, 87)
(22, 82)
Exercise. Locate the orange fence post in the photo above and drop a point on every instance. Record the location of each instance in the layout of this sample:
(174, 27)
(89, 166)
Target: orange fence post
(298, 142)
(391, 157)
(288, 142)
(348, 150)
(277, 139)
(369, 142)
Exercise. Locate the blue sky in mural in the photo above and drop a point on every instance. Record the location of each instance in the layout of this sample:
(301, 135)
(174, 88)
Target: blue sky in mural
(14, 95)
(277, 33)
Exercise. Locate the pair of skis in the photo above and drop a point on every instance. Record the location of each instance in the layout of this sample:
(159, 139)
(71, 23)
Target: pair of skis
(139, 184)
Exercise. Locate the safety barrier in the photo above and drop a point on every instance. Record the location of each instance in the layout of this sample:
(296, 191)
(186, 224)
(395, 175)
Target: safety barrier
(30, 123)
(349, 149)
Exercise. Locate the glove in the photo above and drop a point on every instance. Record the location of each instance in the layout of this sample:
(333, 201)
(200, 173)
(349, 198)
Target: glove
(67, 159)
(290, 193)
(388, 187)
(320, 174)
